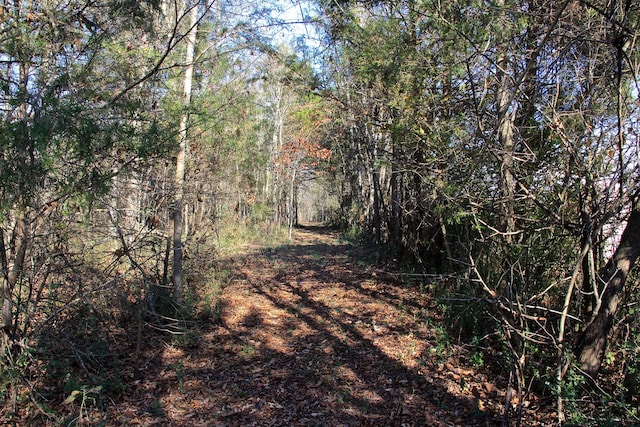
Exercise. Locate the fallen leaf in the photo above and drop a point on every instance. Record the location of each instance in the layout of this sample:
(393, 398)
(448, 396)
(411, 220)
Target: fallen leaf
(71, 397)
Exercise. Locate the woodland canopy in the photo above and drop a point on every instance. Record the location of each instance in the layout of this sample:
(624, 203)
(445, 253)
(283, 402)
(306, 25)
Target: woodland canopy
(489, 149)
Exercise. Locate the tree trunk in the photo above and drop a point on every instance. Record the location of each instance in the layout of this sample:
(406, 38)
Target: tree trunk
(180, 160)
(12, 266)
(592, 342)
(506, 115)
(292, 220)
(396, 213)
(377, 202)
(5, 291)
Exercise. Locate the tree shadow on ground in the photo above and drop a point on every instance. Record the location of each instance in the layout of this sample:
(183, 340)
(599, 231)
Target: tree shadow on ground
(306, 338)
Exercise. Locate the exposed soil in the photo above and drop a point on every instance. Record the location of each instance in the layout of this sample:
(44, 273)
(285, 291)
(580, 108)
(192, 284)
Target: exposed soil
(308, 336)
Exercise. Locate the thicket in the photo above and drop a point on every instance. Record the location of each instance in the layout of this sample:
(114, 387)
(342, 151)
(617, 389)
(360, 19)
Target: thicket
(491, 145)
(136, 139)
(496, 144)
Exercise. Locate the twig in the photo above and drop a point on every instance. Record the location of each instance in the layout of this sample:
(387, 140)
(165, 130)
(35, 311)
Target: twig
(562, 365)
(78, 357)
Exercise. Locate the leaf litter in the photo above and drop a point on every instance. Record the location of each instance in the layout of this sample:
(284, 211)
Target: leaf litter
(309, 336)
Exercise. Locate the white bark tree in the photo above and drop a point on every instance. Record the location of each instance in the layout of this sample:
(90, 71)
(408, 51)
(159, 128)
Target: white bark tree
(179, 180)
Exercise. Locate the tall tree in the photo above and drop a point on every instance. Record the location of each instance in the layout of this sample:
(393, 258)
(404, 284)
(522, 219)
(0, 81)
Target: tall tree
(607, 288)
(493, 136)
(74, 112)
(181, 155)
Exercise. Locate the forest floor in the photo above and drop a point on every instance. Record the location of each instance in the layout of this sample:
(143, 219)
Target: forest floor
(308, 335)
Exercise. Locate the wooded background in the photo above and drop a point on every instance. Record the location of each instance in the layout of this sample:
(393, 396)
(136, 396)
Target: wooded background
(491, 146)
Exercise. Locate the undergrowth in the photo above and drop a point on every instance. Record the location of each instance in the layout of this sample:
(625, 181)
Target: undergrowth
(101, 311)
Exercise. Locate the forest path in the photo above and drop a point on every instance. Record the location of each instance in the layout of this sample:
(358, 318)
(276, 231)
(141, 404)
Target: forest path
(309, 336)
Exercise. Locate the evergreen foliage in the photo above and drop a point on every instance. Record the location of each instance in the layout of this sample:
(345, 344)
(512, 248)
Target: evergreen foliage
(494, 145)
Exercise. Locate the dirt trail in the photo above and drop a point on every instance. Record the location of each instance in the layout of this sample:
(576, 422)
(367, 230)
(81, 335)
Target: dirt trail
(308, 336)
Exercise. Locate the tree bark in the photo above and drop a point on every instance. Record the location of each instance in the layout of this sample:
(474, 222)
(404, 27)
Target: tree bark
(180, 160)
(396, 213)
(591, 344)
(506, 112)
(12, 266)
(292, 220)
